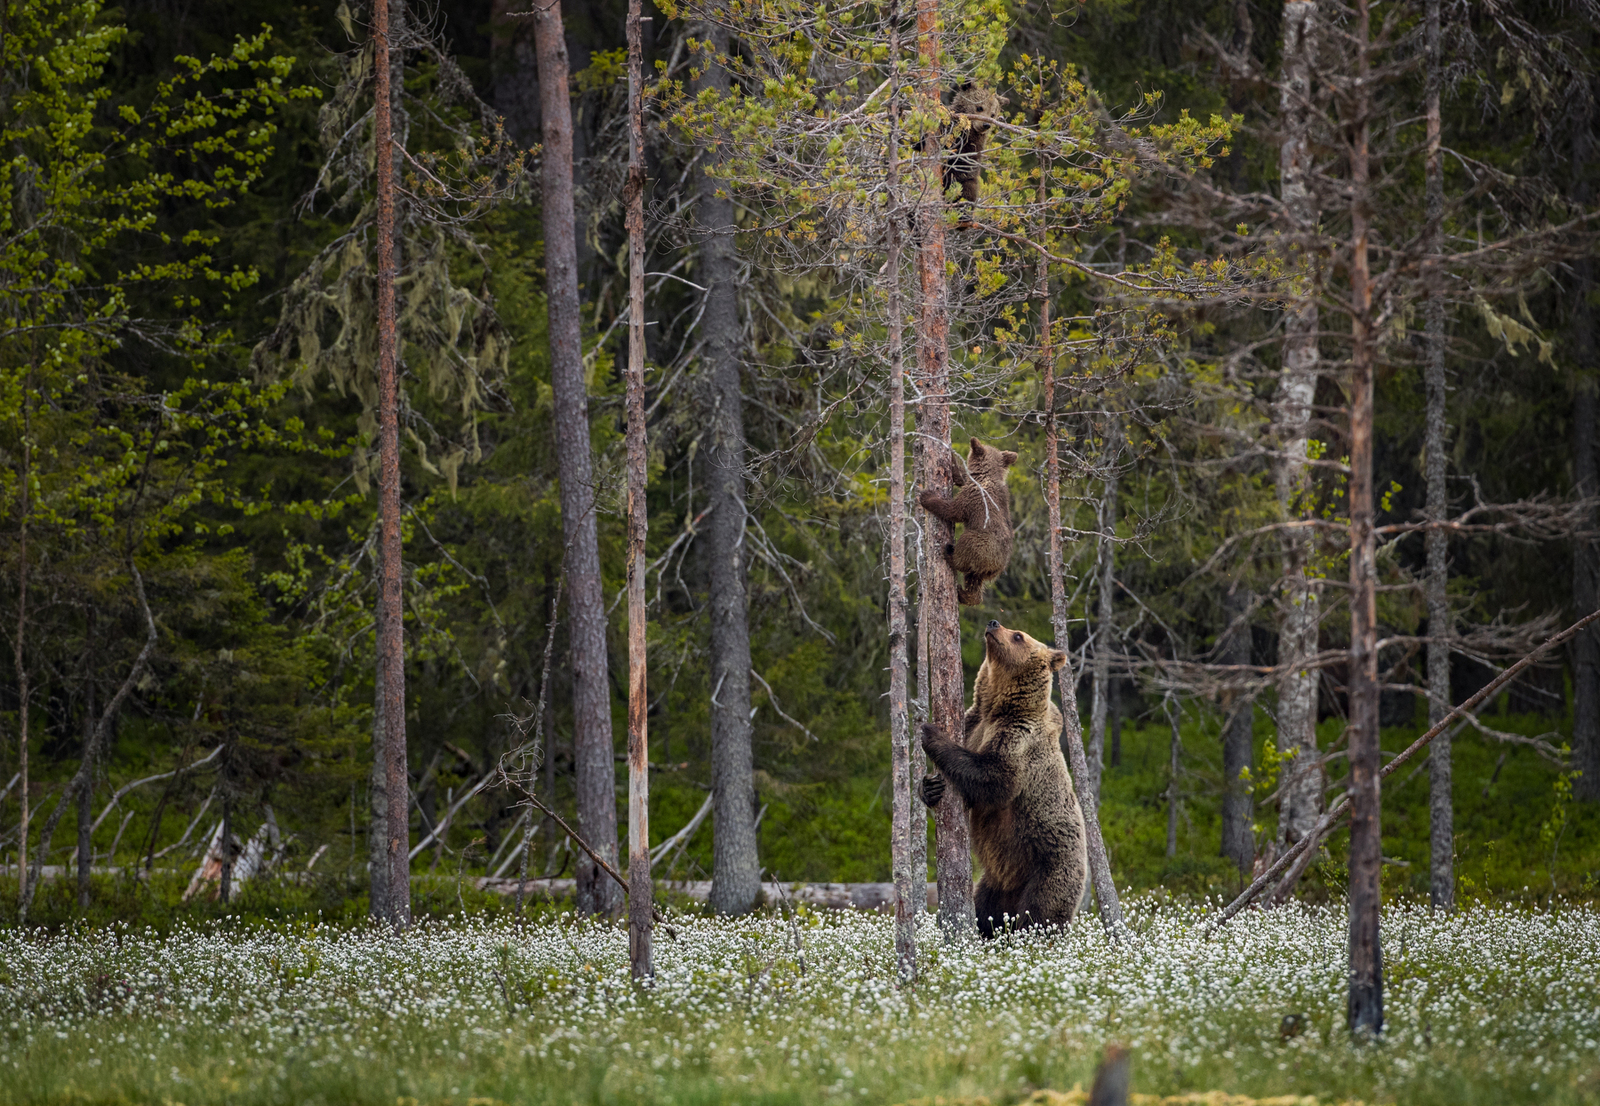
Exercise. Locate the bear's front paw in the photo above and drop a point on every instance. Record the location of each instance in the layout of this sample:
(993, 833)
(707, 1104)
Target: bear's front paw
(931, 735)
(932, 790)
(959, 477)
(929, 500)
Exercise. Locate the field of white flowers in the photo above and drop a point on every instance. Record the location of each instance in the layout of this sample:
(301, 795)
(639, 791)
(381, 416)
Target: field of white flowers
(1495, 1005)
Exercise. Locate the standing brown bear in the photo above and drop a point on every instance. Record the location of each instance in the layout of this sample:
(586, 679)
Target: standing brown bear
(1027, 827)
(983, 507)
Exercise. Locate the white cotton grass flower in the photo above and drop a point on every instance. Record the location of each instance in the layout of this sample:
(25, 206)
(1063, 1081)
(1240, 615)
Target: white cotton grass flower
(1495, 1004)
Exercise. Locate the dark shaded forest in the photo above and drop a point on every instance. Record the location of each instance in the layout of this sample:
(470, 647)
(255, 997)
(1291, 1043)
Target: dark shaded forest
(189, 509)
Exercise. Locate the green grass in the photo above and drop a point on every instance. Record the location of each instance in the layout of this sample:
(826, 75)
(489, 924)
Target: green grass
(1494, 1005)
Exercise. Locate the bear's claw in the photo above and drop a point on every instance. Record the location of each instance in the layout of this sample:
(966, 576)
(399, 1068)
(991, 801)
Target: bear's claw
(932, 790)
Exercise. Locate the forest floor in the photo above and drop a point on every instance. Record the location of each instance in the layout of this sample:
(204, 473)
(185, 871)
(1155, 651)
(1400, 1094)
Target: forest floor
(1496, 1004)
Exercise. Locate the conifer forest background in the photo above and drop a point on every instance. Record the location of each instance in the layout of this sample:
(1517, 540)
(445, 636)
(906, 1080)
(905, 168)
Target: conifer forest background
(190, 547)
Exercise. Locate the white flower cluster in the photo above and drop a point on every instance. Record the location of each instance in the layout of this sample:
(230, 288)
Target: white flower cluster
(1492, 1004)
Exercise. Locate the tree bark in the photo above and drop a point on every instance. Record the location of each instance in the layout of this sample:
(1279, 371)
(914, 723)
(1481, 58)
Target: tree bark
(1301, 776)
(908, 901)
(391, 624)
(593, 757)
(937, 592)
(1441, 823)
(18, 658)
(378, 786)
(1238, 744)
(1366, 900)
(1586, 554)
(1106, 593)
(1072, 736)
(735, 868)
(86, 795)
(641, 894)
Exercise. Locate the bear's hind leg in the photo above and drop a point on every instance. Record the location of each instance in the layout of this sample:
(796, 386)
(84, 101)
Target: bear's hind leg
(993, 907)
(970, 591)
(1050, 898)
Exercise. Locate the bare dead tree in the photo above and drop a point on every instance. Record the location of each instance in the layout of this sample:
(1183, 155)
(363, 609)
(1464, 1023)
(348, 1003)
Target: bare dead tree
(640, 893)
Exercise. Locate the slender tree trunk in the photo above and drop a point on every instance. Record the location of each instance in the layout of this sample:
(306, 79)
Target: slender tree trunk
(225, 883)
(1301, 776)
(1072, 737)
(17, 657)
(904, 810)
(641, 893)
(378, 785)
(391, 645)
(1238, 743)
(1366, 900)
(1174, 752)
(1114, 746)
(953, 853)
(1586, 553)
(1441, 825)
(1106, 631)
(735, 868)
(86, 795)
(593, 757)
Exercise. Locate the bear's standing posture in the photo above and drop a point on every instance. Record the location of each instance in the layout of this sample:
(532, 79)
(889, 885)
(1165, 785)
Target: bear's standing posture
(1027, 828)
(983, 507)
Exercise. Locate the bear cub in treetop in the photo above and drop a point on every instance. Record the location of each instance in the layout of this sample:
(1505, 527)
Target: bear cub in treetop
(983, 507)
(1027, 827)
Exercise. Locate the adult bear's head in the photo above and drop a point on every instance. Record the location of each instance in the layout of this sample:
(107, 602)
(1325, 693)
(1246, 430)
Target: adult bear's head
(1020, 666)
(985, 462)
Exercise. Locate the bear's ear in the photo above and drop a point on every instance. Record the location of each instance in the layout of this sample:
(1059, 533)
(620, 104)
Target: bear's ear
(977, 448)
(1008, 458)
(1057, 659)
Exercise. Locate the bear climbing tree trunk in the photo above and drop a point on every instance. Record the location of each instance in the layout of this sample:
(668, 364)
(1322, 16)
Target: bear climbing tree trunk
(593, 757)
(937, 588)
(735, 870)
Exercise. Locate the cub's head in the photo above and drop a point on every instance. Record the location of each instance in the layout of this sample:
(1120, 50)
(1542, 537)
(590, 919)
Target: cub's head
(986, 463)
(1019, 665)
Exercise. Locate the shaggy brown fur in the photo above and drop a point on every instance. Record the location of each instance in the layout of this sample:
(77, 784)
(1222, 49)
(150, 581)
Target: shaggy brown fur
(983, 507)
(1027, 828)
(979, 105)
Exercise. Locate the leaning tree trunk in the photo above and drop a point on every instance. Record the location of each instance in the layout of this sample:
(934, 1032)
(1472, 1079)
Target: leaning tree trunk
(1301, 777)
(1586, 552)
(904, 811)
(937, 589)
(1072, 729)
(593, 756)
(1106, 593)
(1441, 822)
(735, 870)
(391, 623)
(641, 894)
(1366, 901)
(1238, 746)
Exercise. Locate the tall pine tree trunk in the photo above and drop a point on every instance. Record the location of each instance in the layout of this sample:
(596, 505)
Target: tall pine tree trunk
(641, 894)
(1238, 746)
(735, 869)
(378, 787)
(1586, 552)
(593, 756)
(391, 625)
(1301, 776)
(908, 896)
(1441, 822)
(937, 591)
(1366, 900)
